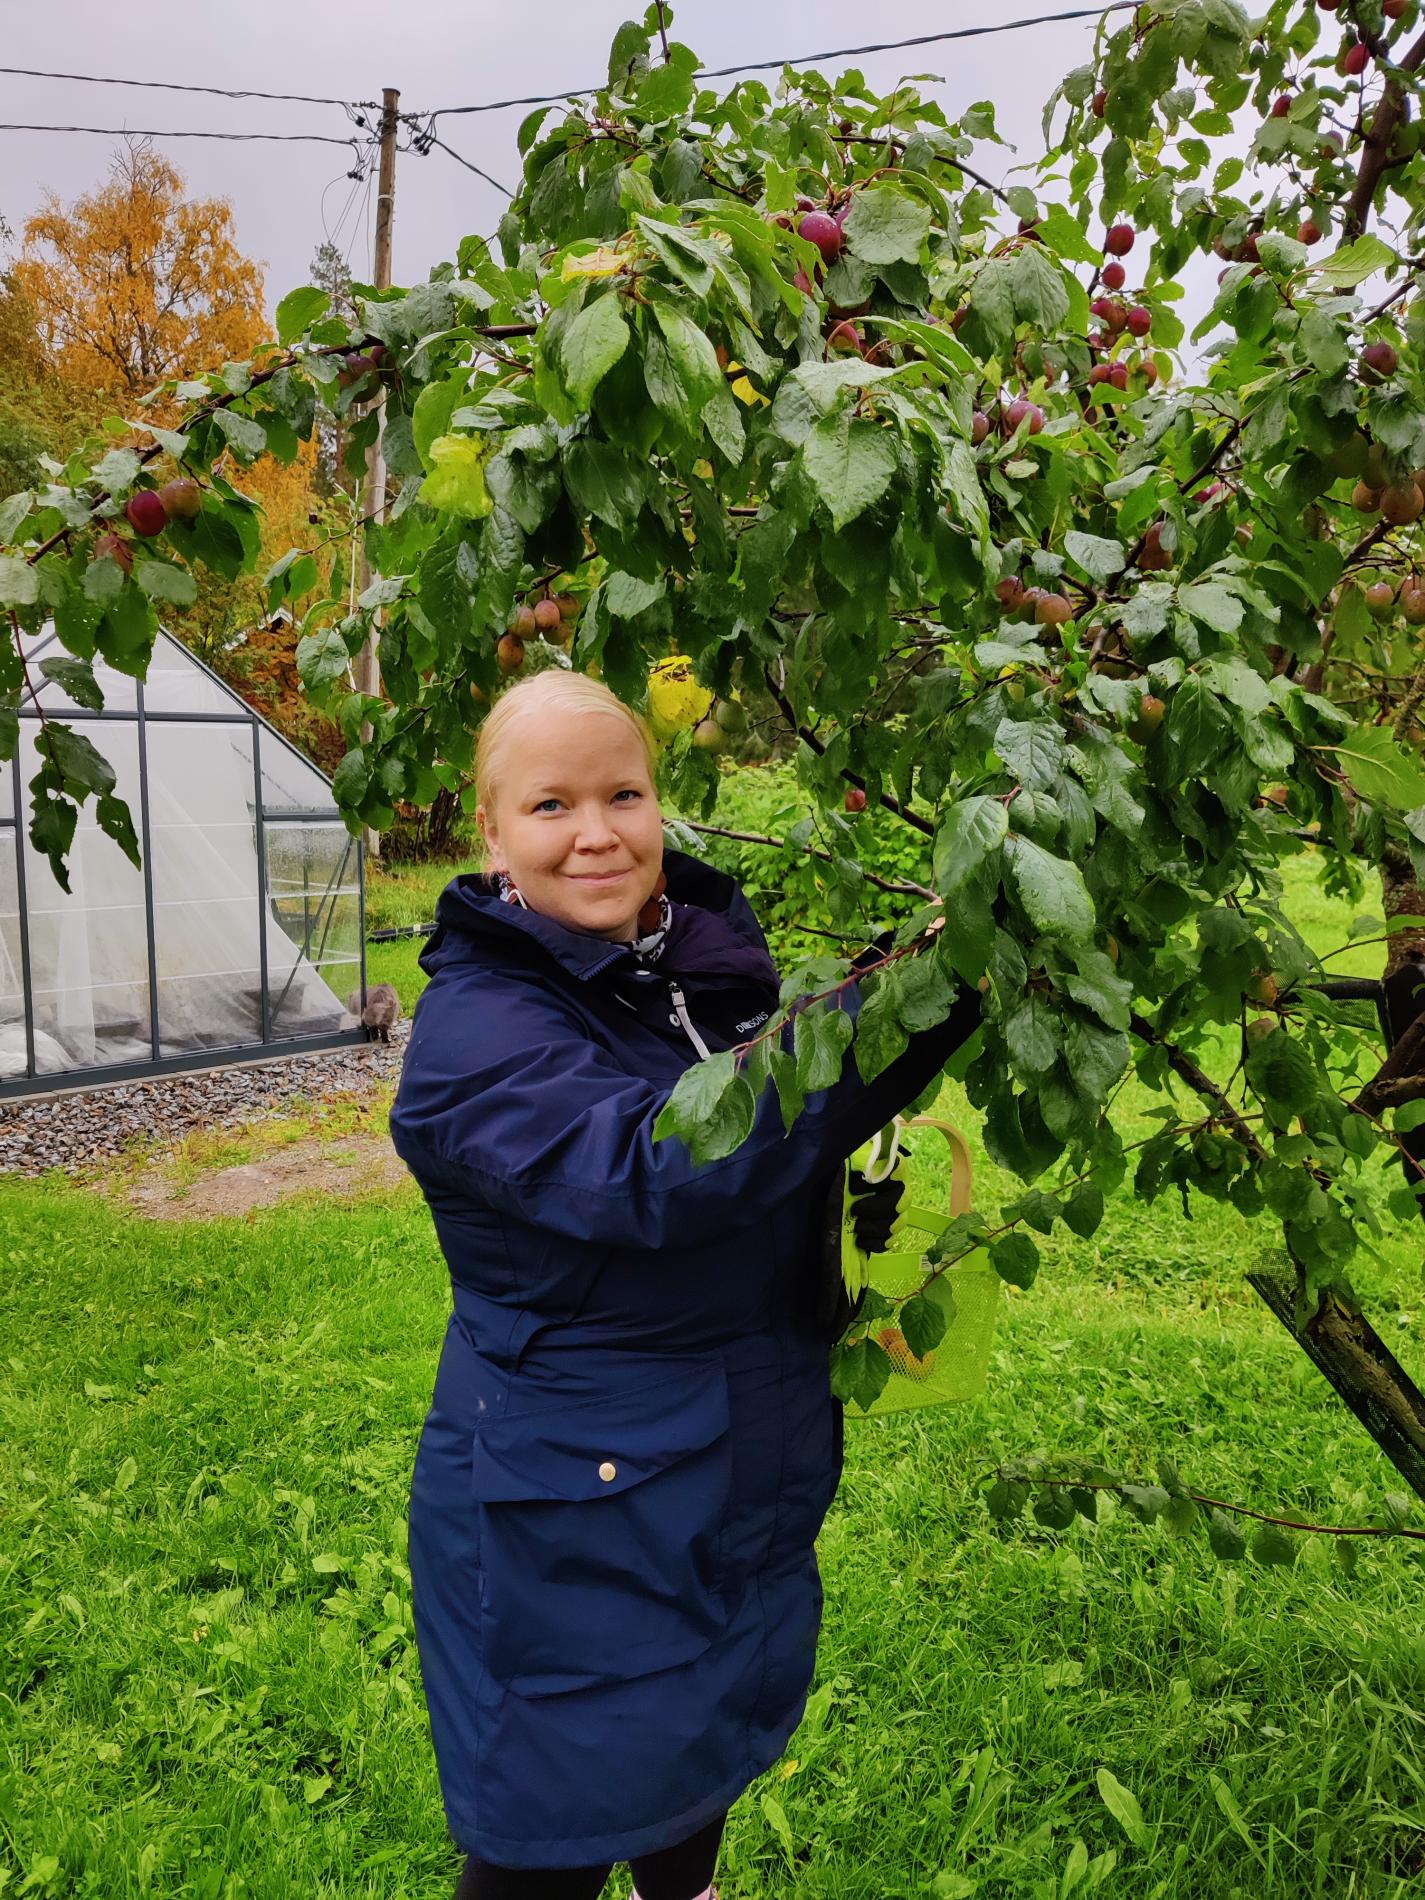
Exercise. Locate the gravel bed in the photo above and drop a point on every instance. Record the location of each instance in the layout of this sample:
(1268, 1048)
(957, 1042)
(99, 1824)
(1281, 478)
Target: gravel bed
(73, 1130)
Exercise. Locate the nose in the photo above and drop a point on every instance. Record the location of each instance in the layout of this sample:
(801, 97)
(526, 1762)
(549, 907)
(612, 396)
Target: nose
(595, 833)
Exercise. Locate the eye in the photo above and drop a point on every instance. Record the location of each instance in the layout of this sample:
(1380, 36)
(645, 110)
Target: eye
(629, 792)
(545, 803)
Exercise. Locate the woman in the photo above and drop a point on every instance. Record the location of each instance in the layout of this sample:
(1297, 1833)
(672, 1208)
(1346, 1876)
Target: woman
(633, 1441)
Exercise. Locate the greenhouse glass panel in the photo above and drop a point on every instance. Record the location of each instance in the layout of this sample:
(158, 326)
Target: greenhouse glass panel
(203, 850)
(14, 1055)
(313, 923)
(177, 684)
(89, 946)
(291, 783)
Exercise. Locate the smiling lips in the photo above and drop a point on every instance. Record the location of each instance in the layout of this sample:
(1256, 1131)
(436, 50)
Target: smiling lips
(597, 877)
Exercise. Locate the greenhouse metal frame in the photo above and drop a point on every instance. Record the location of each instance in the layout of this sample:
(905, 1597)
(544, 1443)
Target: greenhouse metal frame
(230, 942)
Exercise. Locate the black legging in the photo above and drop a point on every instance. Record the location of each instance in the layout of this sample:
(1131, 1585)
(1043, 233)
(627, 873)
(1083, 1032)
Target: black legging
(677, 1873)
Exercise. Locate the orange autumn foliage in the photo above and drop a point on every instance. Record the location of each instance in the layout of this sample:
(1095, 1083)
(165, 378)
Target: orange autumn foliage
(137, 282)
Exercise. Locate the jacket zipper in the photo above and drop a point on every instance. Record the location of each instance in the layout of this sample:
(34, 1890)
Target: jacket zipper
(681, 1010)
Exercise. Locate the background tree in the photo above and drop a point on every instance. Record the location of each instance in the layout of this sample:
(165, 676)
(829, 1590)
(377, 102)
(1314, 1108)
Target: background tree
(137, 281)
(785, 386)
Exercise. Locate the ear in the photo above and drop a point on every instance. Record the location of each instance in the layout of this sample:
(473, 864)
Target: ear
(485, 824)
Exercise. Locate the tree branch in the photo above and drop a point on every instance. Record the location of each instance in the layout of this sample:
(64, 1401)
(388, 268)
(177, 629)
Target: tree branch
(780, 844)
(1013, 1475)
(1375, 153)
(788, 713)
(1200, 1082)
(1401, 1064)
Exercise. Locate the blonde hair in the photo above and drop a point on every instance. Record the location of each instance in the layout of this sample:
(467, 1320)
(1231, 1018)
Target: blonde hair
(552, 690)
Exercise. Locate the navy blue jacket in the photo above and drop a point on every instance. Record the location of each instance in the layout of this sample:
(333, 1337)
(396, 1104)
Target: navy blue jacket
(633, 1441)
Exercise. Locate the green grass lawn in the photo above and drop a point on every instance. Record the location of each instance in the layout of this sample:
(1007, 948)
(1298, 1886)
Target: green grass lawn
(209, 1686)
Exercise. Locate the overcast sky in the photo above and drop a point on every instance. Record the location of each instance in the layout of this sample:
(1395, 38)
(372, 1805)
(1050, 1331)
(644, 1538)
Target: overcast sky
(439, 53)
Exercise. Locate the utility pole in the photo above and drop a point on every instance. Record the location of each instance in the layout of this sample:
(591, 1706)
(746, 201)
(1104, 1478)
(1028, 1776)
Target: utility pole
(373, 491)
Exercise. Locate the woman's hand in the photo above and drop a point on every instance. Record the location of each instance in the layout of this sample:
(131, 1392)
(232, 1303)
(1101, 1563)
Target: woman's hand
(874, 1207)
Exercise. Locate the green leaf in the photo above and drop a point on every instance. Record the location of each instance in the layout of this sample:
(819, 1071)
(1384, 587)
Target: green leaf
(592, 344)
(456, 483)
(1054, 1508)
(435, 406)
(968, 833)
(1225, 1538)
(19, 582)
(1380, 770)
(1083, 1211)
(299, 310)
(1041, 296)
(1355, 262)
(849, 464)
(886, 226)
(247, 438)
(1052, 891)
(116, 822)
(52, 830)
(1033, 750)
(1271, 1545)
(321, 659)
(13, 511)
(922, 1321)
(1100, 559)
(821, 1037)
(1123, 1805)
(1211, 604)
(1324, 342)
(711, 1110)
(880, 1037)
(75, 679)
(859, 1373)
(166, 580)
(81, 766)
(1015, 1258)
(117, 470)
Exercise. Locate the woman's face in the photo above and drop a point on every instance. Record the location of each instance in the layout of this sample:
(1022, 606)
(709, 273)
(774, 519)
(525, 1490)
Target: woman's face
(574, 820)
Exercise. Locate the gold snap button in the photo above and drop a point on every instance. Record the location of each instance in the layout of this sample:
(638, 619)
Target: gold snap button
(608, 1472)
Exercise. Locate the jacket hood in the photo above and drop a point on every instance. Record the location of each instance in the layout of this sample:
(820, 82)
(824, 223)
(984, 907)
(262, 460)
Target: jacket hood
(713, 929)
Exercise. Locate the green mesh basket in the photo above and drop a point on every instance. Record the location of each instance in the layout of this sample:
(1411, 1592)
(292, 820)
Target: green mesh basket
(967, 1293)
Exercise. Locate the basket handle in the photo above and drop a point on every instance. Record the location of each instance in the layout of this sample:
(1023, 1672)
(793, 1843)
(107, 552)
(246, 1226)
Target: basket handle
(962, 1173)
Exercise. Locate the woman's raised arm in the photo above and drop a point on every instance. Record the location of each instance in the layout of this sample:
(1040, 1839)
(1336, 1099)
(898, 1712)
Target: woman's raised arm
(512, 1100)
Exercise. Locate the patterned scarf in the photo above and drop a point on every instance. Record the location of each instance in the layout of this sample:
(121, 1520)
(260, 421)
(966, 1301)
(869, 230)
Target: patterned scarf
(653, 919)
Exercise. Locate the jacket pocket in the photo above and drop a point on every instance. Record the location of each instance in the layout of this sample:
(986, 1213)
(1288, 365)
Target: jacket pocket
(601, 1530)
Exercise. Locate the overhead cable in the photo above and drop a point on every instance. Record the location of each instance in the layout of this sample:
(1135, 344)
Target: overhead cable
(805, 59)
(136, 132)
(174, 85)
(424, 141)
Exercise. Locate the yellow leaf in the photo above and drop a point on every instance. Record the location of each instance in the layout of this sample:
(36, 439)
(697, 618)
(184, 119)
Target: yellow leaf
(744, 391)
(675, 699)
(456, 482)
(603, 262)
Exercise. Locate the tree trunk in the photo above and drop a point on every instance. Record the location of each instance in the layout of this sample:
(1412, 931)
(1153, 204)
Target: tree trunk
(1404, 986)
(1348, 1351)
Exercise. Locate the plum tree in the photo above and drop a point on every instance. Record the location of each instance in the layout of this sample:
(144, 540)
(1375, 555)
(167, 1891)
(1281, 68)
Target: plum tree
(883, 551)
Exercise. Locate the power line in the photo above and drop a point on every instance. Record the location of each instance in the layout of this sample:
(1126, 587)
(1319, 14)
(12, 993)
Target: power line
(173, 85)
(134, 132)
(424, 144)
(838, 52)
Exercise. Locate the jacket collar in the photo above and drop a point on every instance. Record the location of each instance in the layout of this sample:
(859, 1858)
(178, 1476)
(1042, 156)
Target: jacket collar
(713, 930)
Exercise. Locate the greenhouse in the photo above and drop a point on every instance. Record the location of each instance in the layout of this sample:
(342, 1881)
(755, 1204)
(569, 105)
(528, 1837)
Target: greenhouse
(240, 936)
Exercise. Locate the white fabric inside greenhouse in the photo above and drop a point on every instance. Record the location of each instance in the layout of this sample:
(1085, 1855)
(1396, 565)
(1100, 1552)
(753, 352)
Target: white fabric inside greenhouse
(229, 875)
